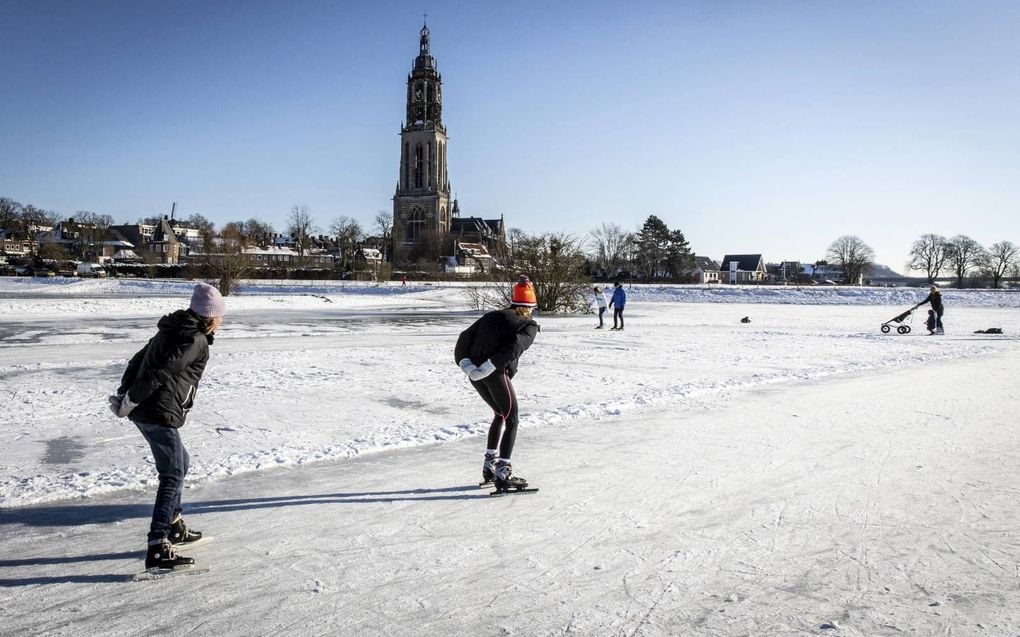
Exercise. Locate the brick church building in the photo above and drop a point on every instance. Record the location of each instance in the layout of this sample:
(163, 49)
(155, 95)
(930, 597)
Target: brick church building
(426, 220)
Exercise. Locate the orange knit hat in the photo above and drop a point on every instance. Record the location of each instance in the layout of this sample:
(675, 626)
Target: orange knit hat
(524, 293)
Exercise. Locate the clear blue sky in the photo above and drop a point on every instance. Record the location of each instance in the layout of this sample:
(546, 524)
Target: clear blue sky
(769, 127)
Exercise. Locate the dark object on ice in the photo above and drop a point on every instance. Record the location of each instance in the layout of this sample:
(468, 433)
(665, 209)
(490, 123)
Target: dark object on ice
(990, 330)
(745, 320)
(902, 329)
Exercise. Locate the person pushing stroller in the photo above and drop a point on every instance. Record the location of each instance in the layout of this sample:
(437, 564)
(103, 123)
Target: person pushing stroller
(935, 298)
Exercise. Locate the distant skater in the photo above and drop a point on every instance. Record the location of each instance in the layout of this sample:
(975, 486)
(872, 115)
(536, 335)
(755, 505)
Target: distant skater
(935, 298)
(600, 300)
(618, 302)
(487, 352)
(931, 323)
(156, 392)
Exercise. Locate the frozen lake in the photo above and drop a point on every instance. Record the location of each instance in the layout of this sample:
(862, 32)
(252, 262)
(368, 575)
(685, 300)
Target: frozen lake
(698, 475)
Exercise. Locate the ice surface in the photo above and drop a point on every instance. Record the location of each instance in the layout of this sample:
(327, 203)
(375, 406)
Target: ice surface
(698, 475)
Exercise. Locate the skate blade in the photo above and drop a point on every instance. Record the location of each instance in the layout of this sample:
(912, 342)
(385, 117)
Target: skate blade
(163, 573)
(512, 491)
(486, 483)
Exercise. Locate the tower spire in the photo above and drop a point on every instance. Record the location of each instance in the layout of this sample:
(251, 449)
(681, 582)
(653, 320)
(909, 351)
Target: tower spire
(424, 42)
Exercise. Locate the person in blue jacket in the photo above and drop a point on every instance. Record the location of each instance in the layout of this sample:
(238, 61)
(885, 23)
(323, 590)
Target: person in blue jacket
(618, 302)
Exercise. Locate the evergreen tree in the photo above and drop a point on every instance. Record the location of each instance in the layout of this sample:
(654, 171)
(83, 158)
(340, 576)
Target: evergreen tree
(652, 243)
(679, 258)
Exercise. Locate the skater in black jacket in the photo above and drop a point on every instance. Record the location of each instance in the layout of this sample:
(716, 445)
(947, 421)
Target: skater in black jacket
(156, 392)
(487, 352)
(935, 298)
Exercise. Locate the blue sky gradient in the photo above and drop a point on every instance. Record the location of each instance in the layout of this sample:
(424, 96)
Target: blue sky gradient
(751, 126)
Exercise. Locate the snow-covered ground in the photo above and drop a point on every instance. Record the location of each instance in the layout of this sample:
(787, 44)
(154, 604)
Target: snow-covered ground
(698, 475)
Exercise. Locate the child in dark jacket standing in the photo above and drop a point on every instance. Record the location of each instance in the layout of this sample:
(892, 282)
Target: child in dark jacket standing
(487, 352)
(931, 323)
(156, 392)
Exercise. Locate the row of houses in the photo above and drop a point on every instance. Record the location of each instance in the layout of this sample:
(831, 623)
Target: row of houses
(170, 242)
(751, 268)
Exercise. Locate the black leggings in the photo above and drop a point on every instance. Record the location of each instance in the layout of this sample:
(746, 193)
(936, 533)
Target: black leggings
(498, 392)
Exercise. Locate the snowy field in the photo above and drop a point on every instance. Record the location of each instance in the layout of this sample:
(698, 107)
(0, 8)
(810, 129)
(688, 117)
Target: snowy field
(803, 473)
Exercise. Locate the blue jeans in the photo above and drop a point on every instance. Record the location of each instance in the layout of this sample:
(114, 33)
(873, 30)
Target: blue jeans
(172, 465)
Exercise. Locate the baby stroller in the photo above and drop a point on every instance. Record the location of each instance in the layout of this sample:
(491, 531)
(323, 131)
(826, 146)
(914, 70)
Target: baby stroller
(903, 328)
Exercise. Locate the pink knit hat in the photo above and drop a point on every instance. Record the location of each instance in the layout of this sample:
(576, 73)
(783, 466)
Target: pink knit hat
(206, 301)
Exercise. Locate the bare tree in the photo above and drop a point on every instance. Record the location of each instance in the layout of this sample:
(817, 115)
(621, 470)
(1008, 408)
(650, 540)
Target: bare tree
(1000, 258)
(612, 244)
(92, 227)
(929, 254)
(200, 223)
(10, 216)
(225, 258)
(963, 255)
(258, 232)
(301, 226)
(555, 264)
(853, 255)
(384, 226)
(348, 234)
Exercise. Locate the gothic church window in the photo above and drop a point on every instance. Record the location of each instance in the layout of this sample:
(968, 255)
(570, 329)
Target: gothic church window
(419, 166)
(416, 223)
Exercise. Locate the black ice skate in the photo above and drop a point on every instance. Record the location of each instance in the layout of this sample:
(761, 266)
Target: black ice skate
(180, 534)
(161, 556)
(488, 469)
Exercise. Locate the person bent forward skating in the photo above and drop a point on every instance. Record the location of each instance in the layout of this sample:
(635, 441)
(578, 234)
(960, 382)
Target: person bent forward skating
(156, 392)
(488, 352)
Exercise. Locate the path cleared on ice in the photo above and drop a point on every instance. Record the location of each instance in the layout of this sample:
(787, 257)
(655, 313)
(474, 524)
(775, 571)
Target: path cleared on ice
(879, 503)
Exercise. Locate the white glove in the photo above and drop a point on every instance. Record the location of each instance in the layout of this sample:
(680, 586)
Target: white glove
(126, 406)
(482, 371)
(467, 366)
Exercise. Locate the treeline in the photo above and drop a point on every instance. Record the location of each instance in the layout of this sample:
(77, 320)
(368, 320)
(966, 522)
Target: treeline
(653, 252)
(963, 258)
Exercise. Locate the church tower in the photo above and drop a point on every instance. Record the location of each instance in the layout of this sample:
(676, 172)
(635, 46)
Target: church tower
(421, 203)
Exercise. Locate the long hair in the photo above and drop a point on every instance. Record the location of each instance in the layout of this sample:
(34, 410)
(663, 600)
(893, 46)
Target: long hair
(209, 325)
(523, 311)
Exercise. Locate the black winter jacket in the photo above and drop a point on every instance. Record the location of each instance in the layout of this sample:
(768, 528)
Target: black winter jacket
(500, 336)
(163, 376)
(935, 298)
